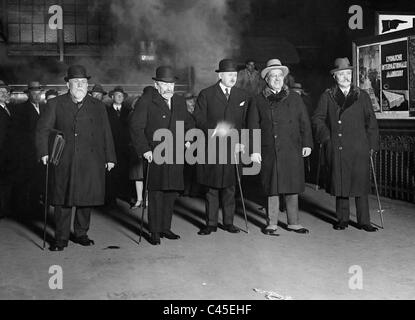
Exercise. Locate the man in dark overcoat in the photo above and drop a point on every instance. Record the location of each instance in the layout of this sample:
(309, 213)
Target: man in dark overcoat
(346, 125)
(221, 106)
(286, 139)
(6, 151)
(155, 110)
(30, 169)
(79, 178)
(117, 183)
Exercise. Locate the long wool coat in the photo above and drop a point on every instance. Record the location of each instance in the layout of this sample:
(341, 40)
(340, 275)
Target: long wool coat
(348, 129)
(285, 131)
(24, 123)
(150, 114)
(212, 107)
(79, 178)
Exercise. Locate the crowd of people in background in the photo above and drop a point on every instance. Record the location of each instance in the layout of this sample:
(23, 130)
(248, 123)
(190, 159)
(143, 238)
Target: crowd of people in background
(118, 136)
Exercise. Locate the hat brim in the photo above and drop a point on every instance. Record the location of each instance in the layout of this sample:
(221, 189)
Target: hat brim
(226, 70)
(111, 94)
(103, 92)
(33, 89)
(284, 70)
(80, 77)
(167, 80)
(341, 69)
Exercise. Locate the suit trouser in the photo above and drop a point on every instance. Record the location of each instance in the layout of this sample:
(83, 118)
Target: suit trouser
(63, 217)
(362, 210)
(227, 197)
(160, 210)
(291, 201)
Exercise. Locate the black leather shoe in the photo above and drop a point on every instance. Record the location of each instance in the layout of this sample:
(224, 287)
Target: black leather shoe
(169, 235)
(340, 226)
(84, 241)
(57, 247)
(207, 230)
(368, 228)
(270, 232)
(155, 239)
(232, 229)
(302, 230)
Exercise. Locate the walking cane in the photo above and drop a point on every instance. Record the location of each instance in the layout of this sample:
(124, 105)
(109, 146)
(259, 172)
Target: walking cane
(318, 166)
(144, 201)
(46, 205)
(380, 211)
(242, 195)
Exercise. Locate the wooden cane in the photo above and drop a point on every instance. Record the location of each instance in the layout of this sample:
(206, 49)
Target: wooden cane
(144, 201)
(242, 195)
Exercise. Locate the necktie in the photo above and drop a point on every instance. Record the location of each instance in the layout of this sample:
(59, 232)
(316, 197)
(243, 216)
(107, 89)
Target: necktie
(227, 93)
(168, 103)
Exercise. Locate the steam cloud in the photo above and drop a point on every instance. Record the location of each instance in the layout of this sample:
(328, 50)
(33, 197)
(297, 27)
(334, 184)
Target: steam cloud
(197, 33)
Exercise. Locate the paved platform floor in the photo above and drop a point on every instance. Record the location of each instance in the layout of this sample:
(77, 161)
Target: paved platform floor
(219, 266)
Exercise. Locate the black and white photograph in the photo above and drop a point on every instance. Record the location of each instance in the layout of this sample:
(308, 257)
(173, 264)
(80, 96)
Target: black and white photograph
(207, 155)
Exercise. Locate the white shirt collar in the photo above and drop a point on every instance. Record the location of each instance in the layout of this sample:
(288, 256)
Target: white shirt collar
(223, 87)
(117, 107)
(36, 107)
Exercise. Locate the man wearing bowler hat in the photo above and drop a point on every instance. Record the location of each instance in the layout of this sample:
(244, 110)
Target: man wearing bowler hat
(78, 181)
(30, 170)
(98, 92)
(6, 157)
(346, 125)
(221, 106)
(160, 109)
(117, 183)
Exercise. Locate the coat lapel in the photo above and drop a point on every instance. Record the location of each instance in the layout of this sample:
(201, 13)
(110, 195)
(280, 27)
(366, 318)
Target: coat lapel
(342, 102)
(221, 95)
(159, 102)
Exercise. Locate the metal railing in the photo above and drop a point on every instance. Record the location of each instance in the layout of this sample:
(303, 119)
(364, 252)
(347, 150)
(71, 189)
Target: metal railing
(395, 167)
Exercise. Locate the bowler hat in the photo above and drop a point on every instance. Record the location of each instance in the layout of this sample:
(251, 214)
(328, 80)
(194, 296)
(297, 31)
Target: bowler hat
(341, 64)
(165, 74)
(118, 89)
(51, 92)
(33, 85)
(227, 65)
(98, 88)
(4, 85)
(189, 95)
(272, 65)
(76, 71)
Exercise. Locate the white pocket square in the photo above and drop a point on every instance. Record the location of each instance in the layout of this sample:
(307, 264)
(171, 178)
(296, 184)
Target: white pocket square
(242, 104)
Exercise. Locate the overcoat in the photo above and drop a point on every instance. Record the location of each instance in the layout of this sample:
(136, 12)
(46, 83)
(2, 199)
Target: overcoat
(24, 123)
(348, 128)
(150, 114)
(79, 178)
(212, 108)
(285, 131)
(6, 149)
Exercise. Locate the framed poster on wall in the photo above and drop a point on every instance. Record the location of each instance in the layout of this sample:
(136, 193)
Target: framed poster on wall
(385, 65)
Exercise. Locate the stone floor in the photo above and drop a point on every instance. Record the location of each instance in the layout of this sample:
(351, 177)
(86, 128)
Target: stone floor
(219, 266)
